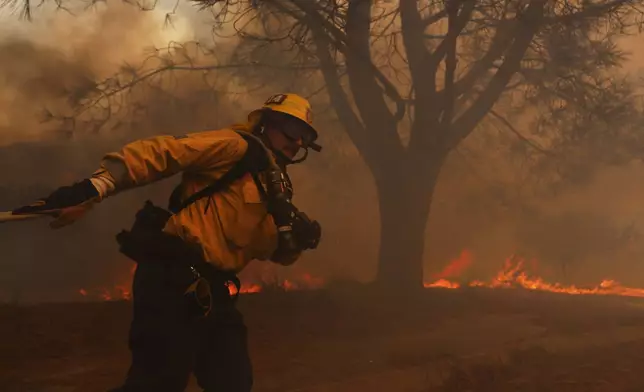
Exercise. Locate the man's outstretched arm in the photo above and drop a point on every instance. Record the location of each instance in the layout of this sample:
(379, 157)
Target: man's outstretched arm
(149, 160)
(137, 164)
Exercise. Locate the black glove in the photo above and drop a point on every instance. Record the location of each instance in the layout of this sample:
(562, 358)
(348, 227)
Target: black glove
(63, 197)
(307, 232)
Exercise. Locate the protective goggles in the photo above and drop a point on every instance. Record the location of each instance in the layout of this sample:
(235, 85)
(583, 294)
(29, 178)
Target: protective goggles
(295, 130)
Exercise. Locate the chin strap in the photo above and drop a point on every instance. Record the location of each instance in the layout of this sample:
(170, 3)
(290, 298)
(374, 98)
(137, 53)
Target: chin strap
(306, 154)
(284, 160)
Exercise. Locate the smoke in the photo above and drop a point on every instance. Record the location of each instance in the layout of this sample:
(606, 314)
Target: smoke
(44, 66)
(45, 63)
(60, 56)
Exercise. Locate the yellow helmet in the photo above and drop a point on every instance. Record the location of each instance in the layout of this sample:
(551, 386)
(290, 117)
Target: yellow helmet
(294, 106)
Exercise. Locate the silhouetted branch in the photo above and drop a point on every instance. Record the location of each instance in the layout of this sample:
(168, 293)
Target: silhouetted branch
(518, 134)
(523, 36)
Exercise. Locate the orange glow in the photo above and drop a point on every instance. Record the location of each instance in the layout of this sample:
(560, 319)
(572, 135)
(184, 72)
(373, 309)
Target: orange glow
(251, 288)
(456, 267)
(120, 291)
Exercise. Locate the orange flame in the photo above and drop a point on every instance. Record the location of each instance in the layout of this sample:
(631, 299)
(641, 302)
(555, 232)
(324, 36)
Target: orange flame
(306, 281)
(513, 275)
(122, 291)
(444, 283)
(250, 288)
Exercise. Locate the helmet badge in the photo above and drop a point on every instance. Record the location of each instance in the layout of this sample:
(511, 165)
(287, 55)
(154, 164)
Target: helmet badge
(276, 99)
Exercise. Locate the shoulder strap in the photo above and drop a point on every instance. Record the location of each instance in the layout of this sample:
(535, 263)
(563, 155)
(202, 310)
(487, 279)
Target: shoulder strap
(253, 161)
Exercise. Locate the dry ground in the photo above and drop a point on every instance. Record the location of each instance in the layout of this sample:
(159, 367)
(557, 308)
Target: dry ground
(354, 339)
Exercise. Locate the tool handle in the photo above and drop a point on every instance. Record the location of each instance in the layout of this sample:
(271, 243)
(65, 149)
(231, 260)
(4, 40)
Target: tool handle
(11, 217)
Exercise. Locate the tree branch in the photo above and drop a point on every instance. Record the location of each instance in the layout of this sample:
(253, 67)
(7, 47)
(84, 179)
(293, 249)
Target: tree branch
(529, 23)
(339, 41)
(427, 127)
(173, 67)
(433, 59)
(426, 93)
(451, 40)
(588, 12)
(364, 87)
(434, 18)
(500, 42)
(341, 104)
(512, 129)
(412, 35)
(339, 99)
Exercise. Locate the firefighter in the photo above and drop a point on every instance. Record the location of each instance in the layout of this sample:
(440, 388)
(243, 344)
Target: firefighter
(233, 205)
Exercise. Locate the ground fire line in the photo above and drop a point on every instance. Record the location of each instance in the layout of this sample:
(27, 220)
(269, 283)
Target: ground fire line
(513, 275)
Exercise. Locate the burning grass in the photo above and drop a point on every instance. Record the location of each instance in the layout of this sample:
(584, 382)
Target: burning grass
(514, 274)
(121, 291)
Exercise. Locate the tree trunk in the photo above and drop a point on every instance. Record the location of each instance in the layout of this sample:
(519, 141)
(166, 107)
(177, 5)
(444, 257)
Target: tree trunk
(405, 197)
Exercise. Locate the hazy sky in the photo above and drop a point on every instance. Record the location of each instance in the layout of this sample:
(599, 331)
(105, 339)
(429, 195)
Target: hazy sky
(188, 21)
(10, 23)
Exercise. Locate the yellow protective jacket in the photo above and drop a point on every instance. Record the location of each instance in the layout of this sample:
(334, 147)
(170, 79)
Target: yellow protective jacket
(236, 228)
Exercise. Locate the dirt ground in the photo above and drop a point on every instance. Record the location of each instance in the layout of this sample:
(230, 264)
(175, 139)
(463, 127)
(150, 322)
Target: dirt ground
(355, 339)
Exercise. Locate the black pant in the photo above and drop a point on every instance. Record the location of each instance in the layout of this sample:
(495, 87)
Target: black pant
(168, 340)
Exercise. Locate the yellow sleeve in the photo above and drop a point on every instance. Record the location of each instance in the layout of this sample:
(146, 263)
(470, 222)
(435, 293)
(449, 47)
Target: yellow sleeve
(148, 160)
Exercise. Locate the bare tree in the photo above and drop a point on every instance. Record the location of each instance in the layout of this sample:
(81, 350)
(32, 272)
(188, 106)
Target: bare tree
(445, 64)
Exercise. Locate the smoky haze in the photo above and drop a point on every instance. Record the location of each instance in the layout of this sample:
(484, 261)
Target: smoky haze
(582, 234)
